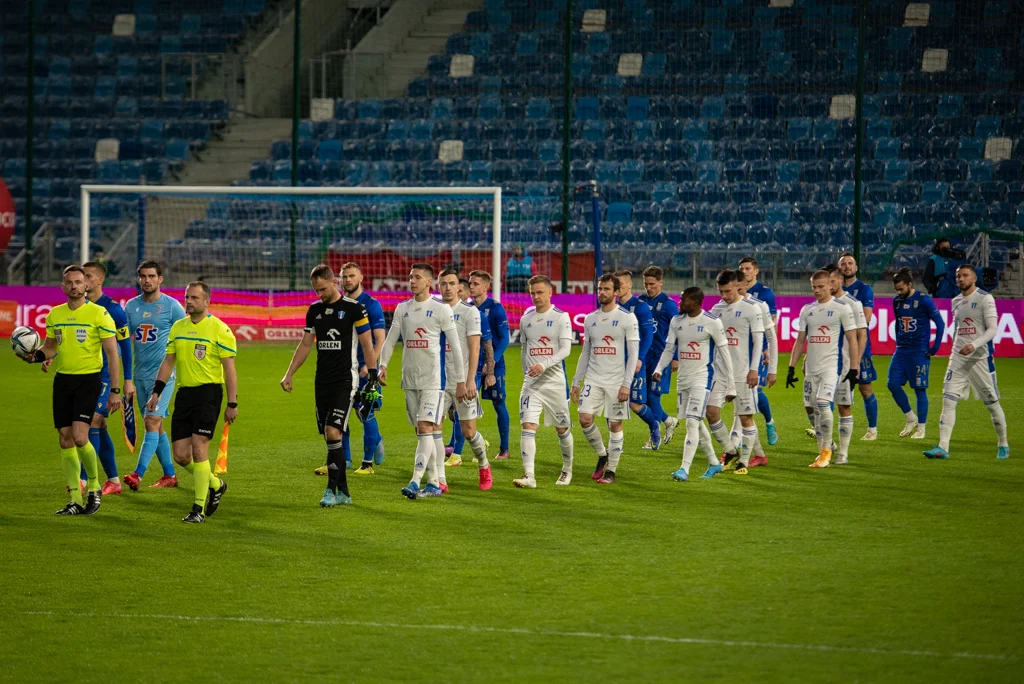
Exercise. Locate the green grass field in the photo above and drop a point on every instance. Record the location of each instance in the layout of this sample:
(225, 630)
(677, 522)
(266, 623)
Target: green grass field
(892, 568)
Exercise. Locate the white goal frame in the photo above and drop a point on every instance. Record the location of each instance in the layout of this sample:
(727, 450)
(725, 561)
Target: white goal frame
(213, 191)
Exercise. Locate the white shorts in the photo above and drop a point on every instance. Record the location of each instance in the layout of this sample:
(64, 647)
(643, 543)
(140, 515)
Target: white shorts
(745, 403)
(598, 401)
(467, 410)
(692, 402)
(844, 393)
(979, 375)
(551, 401)
(424, 406)
(820, 388)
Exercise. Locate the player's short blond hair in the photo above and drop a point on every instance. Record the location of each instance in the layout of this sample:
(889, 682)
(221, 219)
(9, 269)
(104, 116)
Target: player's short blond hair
(821, 274)
(351, 264)
(482, 275)
(540, 279)
(655, 272)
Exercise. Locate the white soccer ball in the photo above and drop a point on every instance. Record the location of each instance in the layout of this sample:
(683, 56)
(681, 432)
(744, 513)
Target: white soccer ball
(25, 340)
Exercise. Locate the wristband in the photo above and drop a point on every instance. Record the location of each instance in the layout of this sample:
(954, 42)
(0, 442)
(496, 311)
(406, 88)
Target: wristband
(158, 387)
(232, 404)
(372, 374)
(39, 356)
(115, 390)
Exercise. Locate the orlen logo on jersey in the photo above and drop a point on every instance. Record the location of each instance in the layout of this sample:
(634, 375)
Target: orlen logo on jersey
(693, 354)
(730, 333)
(608, 350)
(967, 327)
(418, 344)
(823, 338)
(544, 349)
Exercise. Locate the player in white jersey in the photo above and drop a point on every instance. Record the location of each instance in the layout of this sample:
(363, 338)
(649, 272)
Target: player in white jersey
(546, 333)
(758, 457)
(845, 390)
(611, 348)
(699, 338)
(744, 329)
(467, 322)
(423, 323)
(821, 324)
(971, 362)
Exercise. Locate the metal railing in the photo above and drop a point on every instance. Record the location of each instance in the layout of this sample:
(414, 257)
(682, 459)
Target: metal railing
(209, 75)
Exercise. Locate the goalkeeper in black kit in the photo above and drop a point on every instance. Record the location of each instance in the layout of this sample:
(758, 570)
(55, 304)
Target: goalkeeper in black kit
(338, 324)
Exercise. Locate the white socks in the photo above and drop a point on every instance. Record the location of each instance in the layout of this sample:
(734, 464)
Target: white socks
(998, 421)
(566, 443)
(845, 433)
(479, 450)
(528, 448)
(823, 426)
(615, 441)
(947, 420)
(593, 435)
(721, 434)
(693, 438)
(439, 456)
(746, 442)
(424, 458)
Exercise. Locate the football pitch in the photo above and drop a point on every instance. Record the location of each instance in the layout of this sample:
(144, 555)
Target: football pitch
(893, 568)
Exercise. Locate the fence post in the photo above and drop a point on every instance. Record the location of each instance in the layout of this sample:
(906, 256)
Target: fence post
(296, 114)
(859, 117)
(566, 137)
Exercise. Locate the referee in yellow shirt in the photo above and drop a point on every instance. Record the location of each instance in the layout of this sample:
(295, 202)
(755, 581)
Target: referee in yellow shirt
(81, 332)
(202, 348)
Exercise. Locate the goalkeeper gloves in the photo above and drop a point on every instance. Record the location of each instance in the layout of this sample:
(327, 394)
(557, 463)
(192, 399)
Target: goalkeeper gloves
(851, 377)
(369, 396)
(791, 378)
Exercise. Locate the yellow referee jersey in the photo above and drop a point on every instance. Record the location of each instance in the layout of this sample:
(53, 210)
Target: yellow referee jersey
(79, 334)
(199, 348)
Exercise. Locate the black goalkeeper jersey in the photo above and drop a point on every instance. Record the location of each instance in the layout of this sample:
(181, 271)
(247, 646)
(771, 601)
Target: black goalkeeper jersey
(337, 327)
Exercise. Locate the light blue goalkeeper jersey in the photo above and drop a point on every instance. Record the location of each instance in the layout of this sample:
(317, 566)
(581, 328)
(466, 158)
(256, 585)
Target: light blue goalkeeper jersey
(150, 325)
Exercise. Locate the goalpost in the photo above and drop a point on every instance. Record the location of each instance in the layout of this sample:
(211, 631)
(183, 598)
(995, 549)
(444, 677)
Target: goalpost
(266, 238)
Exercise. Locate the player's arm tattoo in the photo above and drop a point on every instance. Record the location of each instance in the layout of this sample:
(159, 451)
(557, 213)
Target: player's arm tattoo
(488, 348)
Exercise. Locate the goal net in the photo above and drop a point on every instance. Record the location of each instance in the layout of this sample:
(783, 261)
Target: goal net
(269, 238)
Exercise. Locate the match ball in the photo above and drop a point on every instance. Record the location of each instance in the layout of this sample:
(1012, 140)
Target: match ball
(25, 340)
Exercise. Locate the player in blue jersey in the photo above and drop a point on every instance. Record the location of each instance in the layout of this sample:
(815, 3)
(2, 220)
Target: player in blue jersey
(863, 293)
(645, 325)
(749, 271)
(95, 275)
(150, 317)
(453, 452)
(913, 313)
(373, 443)
(663, 310)
(493, 371)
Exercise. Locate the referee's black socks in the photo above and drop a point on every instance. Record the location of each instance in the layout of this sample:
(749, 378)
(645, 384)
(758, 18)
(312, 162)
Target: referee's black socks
(337, 479)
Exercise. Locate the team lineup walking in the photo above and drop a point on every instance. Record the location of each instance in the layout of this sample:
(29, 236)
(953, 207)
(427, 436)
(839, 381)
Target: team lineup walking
(453, 359)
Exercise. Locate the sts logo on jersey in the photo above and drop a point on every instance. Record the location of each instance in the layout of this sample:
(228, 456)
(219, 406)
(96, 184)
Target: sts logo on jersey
(908, 324)
(146, 333)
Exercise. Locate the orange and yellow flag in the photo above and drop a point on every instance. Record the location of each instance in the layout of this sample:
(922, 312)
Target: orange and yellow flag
(221, 466)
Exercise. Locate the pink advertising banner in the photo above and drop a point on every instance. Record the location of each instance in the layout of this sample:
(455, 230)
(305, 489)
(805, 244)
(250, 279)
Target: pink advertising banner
(278, 316)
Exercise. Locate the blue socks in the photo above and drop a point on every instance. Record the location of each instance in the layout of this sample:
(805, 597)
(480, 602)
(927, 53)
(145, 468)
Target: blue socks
(654, 403)
(371, 438)
(163, 454)
(901, 398)
(503, 422)
(763, 407)
(922, 405)
(647, 416)
(149, 445)
(104, 447)
(345, 446)
(871, 409)
(458, 441)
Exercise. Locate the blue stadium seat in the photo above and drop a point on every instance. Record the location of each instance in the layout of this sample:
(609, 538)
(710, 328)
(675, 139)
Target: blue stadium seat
(619, 212)
(933, 192)
(988, 126)
(778, 212)
(971, 149)
(713, 107)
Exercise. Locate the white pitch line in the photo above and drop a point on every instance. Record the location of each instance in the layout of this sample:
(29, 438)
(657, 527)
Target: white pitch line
(533, 632)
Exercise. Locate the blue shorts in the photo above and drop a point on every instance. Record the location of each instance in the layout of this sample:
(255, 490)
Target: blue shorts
(638, 390)
(868, 374)
(144, 389)
(359, 402)
(909, 367)
(101, 401)
(662, 387)
(495, 392)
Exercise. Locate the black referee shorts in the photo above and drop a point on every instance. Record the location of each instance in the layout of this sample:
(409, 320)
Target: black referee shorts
(74, 398)
(334, 405)
(196, 410)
